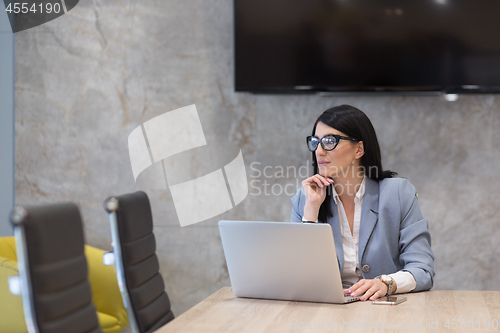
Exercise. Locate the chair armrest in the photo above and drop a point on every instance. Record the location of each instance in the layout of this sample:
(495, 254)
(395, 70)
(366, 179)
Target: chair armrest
(105, 292)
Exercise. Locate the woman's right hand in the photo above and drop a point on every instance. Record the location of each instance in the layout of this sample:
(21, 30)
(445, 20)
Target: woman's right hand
(314, 188)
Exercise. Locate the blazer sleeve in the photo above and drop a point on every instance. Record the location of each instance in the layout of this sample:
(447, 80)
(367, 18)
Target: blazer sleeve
(415, 251)
(297, 206)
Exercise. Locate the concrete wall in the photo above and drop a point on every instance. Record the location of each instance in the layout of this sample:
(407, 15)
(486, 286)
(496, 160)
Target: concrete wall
(6, 123)
(87, 79)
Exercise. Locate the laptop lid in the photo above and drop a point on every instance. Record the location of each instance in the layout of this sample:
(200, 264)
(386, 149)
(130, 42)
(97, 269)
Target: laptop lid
(282, 260)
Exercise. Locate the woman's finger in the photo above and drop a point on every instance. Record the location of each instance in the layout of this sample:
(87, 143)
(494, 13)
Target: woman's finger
(371, 291)
(378, 294)
(309, 181)
(355, 286)
(313, 182)
(326, 181)
(319, 180)
(361, 289)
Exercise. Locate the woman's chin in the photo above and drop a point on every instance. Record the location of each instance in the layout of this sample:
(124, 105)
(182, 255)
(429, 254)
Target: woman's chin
(323, 171)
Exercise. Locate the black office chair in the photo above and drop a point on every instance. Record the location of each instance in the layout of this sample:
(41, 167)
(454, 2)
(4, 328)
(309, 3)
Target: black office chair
(52, 279)
(136, 263)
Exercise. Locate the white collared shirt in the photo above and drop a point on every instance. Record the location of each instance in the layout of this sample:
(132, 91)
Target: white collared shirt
(350, 272)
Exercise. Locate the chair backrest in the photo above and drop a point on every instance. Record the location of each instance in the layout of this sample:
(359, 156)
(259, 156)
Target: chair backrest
(53, 269)
(136, 263)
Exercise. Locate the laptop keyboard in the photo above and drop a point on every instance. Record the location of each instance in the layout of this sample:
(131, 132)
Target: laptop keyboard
(348, 298)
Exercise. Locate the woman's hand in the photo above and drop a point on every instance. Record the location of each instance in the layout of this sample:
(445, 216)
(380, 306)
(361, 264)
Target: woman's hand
(369, 289)
(315, 192)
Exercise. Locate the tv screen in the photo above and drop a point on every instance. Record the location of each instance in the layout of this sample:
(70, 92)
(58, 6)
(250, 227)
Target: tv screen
(288, 46)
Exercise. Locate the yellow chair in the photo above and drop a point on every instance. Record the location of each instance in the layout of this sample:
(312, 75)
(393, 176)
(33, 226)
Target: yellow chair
(11, 307)
(106, 295)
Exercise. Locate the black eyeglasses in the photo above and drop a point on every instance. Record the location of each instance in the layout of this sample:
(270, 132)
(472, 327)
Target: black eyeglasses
(328, 142)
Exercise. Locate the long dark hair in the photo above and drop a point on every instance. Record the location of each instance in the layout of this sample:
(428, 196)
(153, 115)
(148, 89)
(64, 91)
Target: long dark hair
(355, 124)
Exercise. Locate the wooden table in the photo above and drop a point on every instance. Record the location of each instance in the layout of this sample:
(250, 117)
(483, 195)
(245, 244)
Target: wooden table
(431, 311)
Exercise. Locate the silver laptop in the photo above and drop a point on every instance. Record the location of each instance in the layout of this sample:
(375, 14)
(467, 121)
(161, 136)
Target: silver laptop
(282, 260)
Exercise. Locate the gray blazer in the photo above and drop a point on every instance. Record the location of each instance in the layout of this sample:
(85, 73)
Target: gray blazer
(393, 235)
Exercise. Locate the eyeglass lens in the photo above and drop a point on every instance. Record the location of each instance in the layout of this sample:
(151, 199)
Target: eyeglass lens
(328, 142)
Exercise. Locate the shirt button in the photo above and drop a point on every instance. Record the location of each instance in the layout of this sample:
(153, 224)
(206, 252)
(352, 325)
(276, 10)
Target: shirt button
(366, 268)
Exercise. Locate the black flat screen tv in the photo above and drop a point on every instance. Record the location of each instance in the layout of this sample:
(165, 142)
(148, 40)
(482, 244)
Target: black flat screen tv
(363, 46)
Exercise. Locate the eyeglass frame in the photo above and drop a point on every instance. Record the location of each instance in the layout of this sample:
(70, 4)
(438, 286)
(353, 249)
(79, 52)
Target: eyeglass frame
(337, 139)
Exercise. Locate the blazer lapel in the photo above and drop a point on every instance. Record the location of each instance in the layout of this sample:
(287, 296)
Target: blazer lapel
(337, 234)
(369, 215)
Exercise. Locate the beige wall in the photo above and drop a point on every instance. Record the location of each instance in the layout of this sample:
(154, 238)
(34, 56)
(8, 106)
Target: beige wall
(87, 79)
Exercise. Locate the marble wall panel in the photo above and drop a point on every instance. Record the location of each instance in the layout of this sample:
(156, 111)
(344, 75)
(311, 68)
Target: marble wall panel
(87, 79)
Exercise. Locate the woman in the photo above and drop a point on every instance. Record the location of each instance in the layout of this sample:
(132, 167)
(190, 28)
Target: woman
(382, 241)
